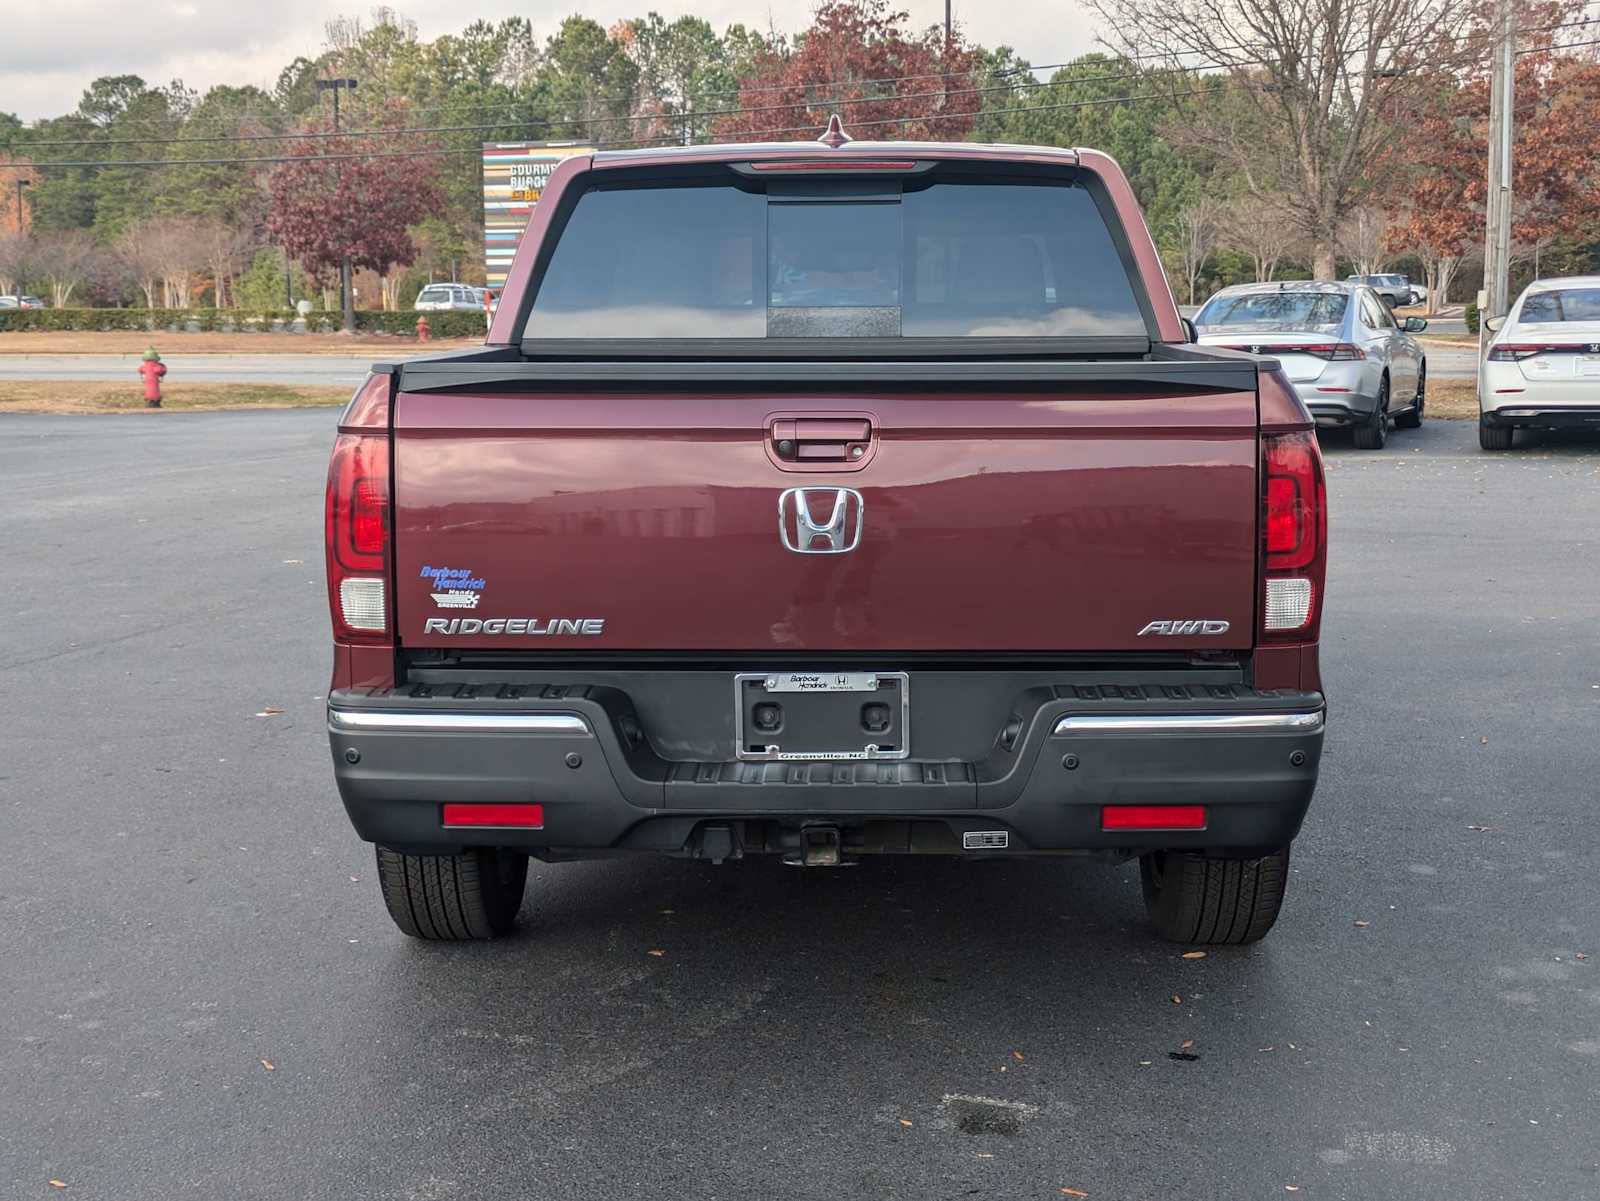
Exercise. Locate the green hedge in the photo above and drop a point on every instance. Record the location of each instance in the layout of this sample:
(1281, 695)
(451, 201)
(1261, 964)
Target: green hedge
(1472, 317)
(403, 324)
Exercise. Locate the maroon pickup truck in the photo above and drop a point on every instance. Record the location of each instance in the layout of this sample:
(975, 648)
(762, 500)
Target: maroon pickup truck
(826, 501)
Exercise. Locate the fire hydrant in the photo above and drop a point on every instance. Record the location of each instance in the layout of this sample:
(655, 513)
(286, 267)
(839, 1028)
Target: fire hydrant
(152, 369)
(423, 332)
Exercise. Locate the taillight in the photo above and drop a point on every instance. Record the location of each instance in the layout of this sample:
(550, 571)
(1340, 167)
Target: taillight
(1294, 532)
(357, 517)
(1515, 352)
(1317, 350)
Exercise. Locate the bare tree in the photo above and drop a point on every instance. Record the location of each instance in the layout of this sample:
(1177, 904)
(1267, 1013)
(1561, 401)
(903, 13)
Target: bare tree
(1362, 236)
(66, 259)
(1309, 92)
(165, 251)
(134, 246)
(1195, 231)
(224, 247)
(18, 257)
(1264, 229)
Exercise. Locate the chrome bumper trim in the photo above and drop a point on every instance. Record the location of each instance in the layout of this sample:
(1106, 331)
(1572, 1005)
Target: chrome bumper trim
(458, 723)
(1198, 723)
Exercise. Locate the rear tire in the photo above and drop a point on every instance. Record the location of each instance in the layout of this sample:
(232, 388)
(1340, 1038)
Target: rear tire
(1494, 437)
(1216, 902)
(453, 898)
(1374, 433)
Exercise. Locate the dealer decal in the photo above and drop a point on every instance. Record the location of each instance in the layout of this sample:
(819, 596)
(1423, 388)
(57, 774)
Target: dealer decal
(592, 626)
(457, 587)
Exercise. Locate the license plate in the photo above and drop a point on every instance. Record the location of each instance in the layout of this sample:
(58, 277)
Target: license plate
(822, 715)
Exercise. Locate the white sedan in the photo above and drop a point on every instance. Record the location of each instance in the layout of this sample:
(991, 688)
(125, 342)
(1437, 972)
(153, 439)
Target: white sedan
(1542, 370)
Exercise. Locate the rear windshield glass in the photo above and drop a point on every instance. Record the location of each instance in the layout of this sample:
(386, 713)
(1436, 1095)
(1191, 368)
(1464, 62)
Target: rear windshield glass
(947, 260)
(1275, 311)
(1568, 304)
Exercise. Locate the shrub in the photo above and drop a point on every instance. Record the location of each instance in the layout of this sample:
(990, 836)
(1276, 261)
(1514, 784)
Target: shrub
(1472, 317)
(400, 324)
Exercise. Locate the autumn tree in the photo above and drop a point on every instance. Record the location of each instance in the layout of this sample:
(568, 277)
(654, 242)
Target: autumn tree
(341, 199)
(1555, 171)
(859, 59)
(1311, 95)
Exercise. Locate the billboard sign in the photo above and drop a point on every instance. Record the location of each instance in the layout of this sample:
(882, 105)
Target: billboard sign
(514, 176)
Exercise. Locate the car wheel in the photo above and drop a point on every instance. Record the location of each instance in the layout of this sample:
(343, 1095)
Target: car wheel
(1194, 898)
(452, 898)
(1412, 417)
(1374, 432)
(1494, 437)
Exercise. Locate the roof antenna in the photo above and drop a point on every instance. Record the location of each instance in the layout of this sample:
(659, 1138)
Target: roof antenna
(834, 136)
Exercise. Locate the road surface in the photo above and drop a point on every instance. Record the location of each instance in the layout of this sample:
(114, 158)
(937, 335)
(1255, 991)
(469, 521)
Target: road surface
(203, 998)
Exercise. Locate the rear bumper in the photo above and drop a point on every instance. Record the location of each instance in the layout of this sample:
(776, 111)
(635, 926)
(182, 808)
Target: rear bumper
(1509, 412)
(1249, 757)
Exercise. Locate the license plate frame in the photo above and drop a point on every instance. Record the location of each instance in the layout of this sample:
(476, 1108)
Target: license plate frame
(822, 716)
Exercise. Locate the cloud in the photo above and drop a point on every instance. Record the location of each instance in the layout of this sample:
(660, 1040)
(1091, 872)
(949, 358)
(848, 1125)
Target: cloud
(53, 49)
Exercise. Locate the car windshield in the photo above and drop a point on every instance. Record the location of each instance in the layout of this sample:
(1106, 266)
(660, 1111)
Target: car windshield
(1271, 311)
(1565, 304)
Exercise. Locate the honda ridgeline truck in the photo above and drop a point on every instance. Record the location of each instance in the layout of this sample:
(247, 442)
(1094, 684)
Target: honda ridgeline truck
(826, 501)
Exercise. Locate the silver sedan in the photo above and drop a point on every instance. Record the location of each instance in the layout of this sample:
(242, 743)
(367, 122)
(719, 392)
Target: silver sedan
(1341, 347)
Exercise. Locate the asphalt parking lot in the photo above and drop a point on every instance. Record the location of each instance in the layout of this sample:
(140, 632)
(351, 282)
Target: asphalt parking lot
(202, 996)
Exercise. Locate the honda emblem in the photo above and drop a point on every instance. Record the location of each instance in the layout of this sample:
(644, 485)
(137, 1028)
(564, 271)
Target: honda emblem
(820, 521)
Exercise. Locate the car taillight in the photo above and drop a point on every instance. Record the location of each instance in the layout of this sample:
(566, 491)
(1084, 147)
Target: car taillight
(1515, 352)
(1294, 534)
(1317, 350)
(357, 517)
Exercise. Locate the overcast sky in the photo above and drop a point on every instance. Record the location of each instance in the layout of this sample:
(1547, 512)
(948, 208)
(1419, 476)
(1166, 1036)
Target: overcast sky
(51, 49)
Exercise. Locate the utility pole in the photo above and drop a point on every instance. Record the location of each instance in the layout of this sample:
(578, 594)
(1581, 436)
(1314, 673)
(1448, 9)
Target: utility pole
(346, 293)
(21, 183)
(1502, 104)
(947, 26)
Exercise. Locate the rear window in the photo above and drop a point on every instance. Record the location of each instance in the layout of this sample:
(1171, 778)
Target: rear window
(1275, 311)
(946, 260)
(1567, 304)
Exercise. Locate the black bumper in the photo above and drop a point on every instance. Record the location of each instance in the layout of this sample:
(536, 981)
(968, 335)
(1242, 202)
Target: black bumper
(1249, 757)
(1561, 417)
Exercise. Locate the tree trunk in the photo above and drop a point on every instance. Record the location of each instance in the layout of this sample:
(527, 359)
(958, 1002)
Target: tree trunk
(1322, 264)
(348, 293)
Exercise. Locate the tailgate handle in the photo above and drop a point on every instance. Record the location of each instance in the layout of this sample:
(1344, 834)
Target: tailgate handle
(821, 439)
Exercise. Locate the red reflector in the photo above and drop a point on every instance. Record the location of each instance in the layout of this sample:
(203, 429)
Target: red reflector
(1284, 514)
(527, 816)
(1153, 817)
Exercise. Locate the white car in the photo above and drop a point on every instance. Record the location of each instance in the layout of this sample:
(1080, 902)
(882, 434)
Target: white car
(440, 298)
(1542, 369)
(21, 302)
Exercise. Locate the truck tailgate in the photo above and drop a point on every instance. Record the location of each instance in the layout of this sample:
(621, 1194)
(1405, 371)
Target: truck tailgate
(1060, 520)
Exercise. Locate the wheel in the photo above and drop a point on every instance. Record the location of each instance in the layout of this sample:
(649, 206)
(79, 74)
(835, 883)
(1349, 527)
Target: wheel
(451, 898)
(1199, 899)
(1375, 432)
(1412, 418)
(1494, 437)
(1413, 299)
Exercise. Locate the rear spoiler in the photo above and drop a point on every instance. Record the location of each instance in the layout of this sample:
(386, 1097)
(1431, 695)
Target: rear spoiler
(1165, 365)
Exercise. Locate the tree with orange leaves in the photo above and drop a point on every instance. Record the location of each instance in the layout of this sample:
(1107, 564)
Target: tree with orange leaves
(859, 60)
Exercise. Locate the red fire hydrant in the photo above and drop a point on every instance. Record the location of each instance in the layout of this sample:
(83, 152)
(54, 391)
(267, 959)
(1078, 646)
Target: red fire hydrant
(423, 332)
(152, 369)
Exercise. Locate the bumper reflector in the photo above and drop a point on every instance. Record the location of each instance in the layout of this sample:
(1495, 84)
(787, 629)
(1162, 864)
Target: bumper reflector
(1153, 817)
(528, 817)
(1288, 603)
(361, 602)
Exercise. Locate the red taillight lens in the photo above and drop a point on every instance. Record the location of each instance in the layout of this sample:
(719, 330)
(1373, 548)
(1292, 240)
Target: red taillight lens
(1317, 350)
(1515, 352)
(357, 517)
(1153, 817)
(1294, 531)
